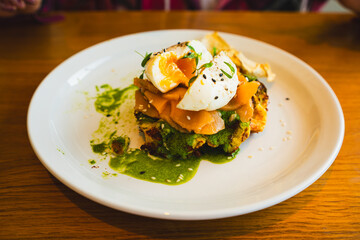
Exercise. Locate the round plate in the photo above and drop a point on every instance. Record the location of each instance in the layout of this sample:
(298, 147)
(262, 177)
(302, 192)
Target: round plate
(302, 137)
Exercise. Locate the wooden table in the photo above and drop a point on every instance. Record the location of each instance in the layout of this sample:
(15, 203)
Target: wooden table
(35, 205)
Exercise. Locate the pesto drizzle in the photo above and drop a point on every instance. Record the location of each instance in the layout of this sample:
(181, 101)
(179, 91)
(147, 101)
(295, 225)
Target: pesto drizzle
(135, 162)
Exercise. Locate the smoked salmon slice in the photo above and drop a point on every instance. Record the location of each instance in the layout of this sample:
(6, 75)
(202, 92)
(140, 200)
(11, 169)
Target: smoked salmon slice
(244, 93)
(142, 105)
(156, 100)
(176, 94)
(164, 106)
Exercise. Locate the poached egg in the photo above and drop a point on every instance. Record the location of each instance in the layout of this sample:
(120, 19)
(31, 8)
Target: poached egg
(176, 65)
(213, 87)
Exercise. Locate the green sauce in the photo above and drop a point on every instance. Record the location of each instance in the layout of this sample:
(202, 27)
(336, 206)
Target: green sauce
(139, 164)
(108, 101)
(135, 162)
(92, 161)
(99, 148)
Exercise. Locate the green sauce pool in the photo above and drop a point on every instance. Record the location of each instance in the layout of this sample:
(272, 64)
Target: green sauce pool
(135, 162)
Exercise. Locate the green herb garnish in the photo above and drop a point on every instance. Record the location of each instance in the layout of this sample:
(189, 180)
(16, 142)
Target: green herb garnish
(214, 51)
(191, 48)
(250, 78)
(146, 59)
(228, 75)
(193, 54)
(206, 65)
(192, 79)
(231, 69)
(142, 75)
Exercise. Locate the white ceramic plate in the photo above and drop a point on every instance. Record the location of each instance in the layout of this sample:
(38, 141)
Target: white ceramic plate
(302, 138)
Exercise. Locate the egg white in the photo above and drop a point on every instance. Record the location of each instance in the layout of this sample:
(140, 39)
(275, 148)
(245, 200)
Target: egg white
(152, 68)
(212, 89)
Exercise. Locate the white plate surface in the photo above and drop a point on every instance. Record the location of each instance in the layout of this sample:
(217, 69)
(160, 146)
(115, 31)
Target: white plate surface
(302, 138)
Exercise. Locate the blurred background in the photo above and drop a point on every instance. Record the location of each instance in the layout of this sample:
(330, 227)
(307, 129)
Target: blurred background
(334, 6)
(9, 8)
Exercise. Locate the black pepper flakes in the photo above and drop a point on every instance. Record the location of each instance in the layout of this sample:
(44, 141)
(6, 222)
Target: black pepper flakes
(142, 172)
(216, 97)
(222, 79)
(178, 42)
(213, 80)
(287, 99)
(204, 76)
(108, 115)
(221, 74)
(189, 53)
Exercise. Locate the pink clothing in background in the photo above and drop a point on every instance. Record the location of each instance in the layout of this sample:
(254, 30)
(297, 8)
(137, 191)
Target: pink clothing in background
(258, 5)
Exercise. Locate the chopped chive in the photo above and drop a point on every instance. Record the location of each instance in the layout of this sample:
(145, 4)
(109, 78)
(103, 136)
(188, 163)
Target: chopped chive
(192, 80)
(214, 50)
(192, 54)
(146, 59)
(140, 54)
(249, 77)
(231, 69)
(142, 75)
(207, 65)
(228, 75)
(191, 48)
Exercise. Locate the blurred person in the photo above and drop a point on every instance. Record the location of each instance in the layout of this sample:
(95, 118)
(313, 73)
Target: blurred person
(10, 8)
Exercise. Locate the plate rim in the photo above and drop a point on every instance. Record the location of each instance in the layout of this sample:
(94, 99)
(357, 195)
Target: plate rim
(214, 214)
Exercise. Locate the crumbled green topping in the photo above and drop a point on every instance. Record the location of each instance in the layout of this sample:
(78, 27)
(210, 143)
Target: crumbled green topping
(174, 143)
(107, 101)
(120, 145)
(99, 148)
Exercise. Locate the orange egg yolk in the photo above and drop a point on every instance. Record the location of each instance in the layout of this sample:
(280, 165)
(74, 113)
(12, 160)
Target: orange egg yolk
(177, 71)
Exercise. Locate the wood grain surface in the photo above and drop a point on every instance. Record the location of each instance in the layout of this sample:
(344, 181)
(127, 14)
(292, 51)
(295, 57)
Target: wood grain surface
(35, 205)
